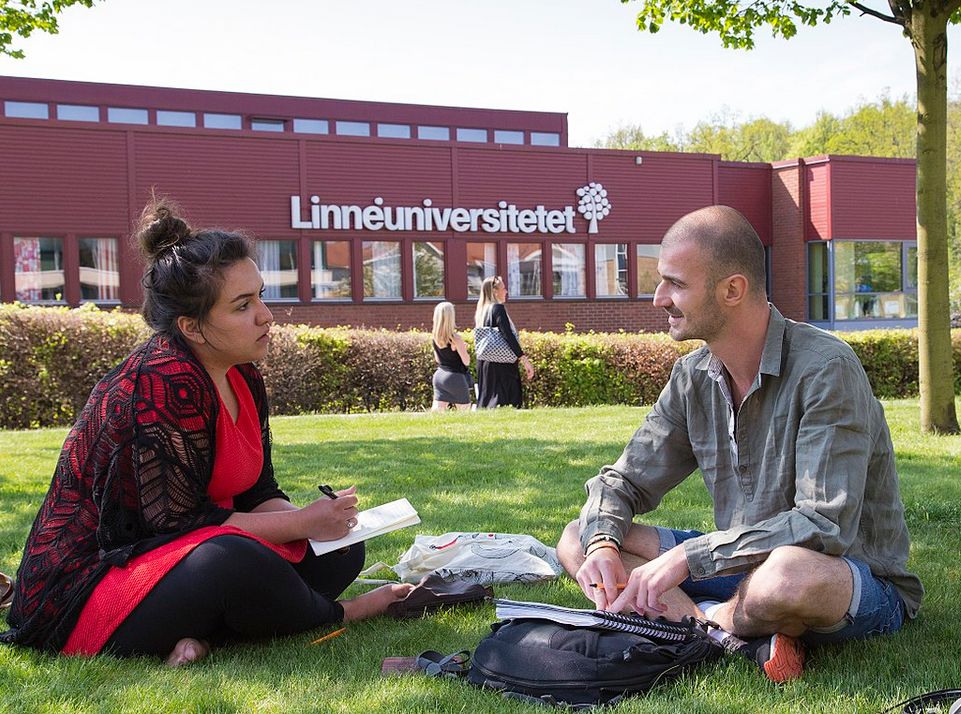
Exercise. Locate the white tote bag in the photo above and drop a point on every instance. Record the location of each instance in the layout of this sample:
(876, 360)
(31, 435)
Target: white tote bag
(483, 558)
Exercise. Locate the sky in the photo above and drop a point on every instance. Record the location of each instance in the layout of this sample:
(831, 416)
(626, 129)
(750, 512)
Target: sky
(581, 57)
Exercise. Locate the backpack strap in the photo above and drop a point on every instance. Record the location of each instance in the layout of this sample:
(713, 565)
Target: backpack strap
(434, 664)
(919, 704)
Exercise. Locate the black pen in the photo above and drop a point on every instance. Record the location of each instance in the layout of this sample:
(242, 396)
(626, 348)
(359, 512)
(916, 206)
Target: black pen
(327, 490)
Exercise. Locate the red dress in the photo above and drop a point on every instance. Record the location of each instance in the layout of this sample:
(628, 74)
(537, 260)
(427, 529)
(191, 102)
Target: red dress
(237, 465)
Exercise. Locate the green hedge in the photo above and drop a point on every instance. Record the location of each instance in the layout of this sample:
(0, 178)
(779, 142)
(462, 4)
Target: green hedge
(50, 358)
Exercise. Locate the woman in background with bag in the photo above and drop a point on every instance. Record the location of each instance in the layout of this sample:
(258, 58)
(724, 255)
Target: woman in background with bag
(498, 351)
(452, 380)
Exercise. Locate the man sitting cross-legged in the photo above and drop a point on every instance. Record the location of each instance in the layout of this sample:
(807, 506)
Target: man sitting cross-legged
(810, 543)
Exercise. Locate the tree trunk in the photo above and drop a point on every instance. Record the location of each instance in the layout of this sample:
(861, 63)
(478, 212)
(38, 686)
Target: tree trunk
(927, 30)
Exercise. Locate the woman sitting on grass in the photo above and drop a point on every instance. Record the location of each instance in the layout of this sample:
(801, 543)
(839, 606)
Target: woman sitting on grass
(452, 382)
(164, 529)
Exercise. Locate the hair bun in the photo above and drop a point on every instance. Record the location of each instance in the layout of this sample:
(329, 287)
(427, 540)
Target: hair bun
(160, 229)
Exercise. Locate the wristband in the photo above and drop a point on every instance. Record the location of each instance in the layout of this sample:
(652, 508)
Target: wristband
(594, 547)
(602, 541)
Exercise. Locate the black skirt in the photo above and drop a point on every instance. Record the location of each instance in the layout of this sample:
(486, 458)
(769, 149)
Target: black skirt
(499, 384)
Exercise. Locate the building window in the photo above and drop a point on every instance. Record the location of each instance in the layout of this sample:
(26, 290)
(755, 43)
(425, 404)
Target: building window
(428, 269)
(168, 118)
(478, 136)
(275, 125)
(330, 270)
(911, 266)
(481, 263)
(393, 131)
(353, 128)
(545, 138)
(38, 269)
(502, 136)
(610, 270)
(872, 281)
(99, 270)
(26, 110)
(277, 260)
(436, 133)
(120, 115)
(524, 269)
(311, 126)
(222, 121)
(381, 270)
(568, 270)
(77, 112)
(819, 282)
(647, 275)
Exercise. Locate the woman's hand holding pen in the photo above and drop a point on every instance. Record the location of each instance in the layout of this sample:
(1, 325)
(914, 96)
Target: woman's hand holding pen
(330, 518)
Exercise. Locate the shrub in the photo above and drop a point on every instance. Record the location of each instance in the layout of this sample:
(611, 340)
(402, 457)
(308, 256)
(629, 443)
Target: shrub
(583, 369)
(890, 358)
(388, 370)
(306, 370)
(50, 359)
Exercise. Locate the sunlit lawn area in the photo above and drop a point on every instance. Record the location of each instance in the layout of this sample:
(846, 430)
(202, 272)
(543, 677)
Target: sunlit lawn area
(514, 472)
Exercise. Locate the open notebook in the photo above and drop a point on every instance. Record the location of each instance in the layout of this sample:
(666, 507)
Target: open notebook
(372, 522)
(601, 619)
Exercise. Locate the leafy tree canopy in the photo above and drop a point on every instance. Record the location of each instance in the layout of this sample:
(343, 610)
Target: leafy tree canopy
(22, 17)
(735, 22)
(882, 128)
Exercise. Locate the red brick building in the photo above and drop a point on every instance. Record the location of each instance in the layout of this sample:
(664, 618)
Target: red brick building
(369, 213)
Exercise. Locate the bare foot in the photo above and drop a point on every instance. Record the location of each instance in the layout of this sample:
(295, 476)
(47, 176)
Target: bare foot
(186, 651)
(374, 602)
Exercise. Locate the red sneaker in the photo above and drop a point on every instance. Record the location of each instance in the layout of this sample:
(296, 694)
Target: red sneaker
(780, 657)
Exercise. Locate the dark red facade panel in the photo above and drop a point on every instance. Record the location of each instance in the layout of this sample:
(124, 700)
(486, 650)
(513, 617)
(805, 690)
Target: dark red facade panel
(873, 198)
(221, 181)
(486, 177)
(358, 173)
(63, 180)
(747, 187)
(818, 197)
(650, 196)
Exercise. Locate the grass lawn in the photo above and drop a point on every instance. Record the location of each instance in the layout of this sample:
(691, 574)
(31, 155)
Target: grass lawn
(508, 472)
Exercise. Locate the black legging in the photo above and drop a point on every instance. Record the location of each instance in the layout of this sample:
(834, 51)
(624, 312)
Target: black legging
(234, 588)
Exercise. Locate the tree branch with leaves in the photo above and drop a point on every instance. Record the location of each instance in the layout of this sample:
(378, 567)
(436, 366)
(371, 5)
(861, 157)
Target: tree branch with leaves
(23, 17)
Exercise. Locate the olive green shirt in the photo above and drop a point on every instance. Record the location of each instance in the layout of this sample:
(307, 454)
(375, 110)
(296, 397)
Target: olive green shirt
(805, 460)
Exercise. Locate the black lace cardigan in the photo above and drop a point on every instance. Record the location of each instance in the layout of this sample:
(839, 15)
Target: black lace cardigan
(132, 475)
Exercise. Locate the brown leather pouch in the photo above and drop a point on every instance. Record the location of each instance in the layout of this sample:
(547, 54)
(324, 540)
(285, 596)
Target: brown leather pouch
(432, 594)
(6, 591)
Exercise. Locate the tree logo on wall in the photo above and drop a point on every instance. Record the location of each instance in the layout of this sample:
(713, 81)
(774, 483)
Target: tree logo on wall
(593, 204)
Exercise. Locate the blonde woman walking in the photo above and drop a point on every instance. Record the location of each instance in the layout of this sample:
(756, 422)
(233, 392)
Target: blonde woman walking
(452, 382)
(499, 383)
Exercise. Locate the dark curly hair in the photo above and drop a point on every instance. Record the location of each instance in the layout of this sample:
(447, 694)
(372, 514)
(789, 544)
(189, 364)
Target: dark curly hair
(184, 271)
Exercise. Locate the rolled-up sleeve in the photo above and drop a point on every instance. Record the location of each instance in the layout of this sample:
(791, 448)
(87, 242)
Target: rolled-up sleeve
(655, 460)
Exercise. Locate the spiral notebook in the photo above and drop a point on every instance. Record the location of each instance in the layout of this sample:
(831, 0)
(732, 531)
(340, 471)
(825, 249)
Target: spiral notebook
(601, 619)
(370, 523)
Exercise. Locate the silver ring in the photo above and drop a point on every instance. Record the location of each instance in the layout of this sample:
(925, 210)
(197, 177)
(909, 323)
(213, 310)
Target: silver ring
(351, 522)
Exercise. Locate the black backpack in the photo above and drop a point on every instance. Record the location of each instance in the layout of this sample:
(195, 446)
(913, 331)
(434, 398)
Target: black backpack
(580, 667)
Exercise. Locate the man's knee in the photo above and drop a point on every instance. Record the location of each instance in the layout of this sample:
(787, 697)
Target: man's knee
(569, 548)
(791, 580)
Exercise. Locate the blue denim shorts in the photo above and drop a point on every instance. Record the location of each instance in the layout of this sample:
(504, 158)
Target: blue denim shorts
(876, 607)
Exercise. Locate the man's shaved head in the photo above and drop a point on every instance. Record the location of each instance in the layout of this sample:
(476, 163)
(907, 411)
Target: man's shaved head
(727, 241)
